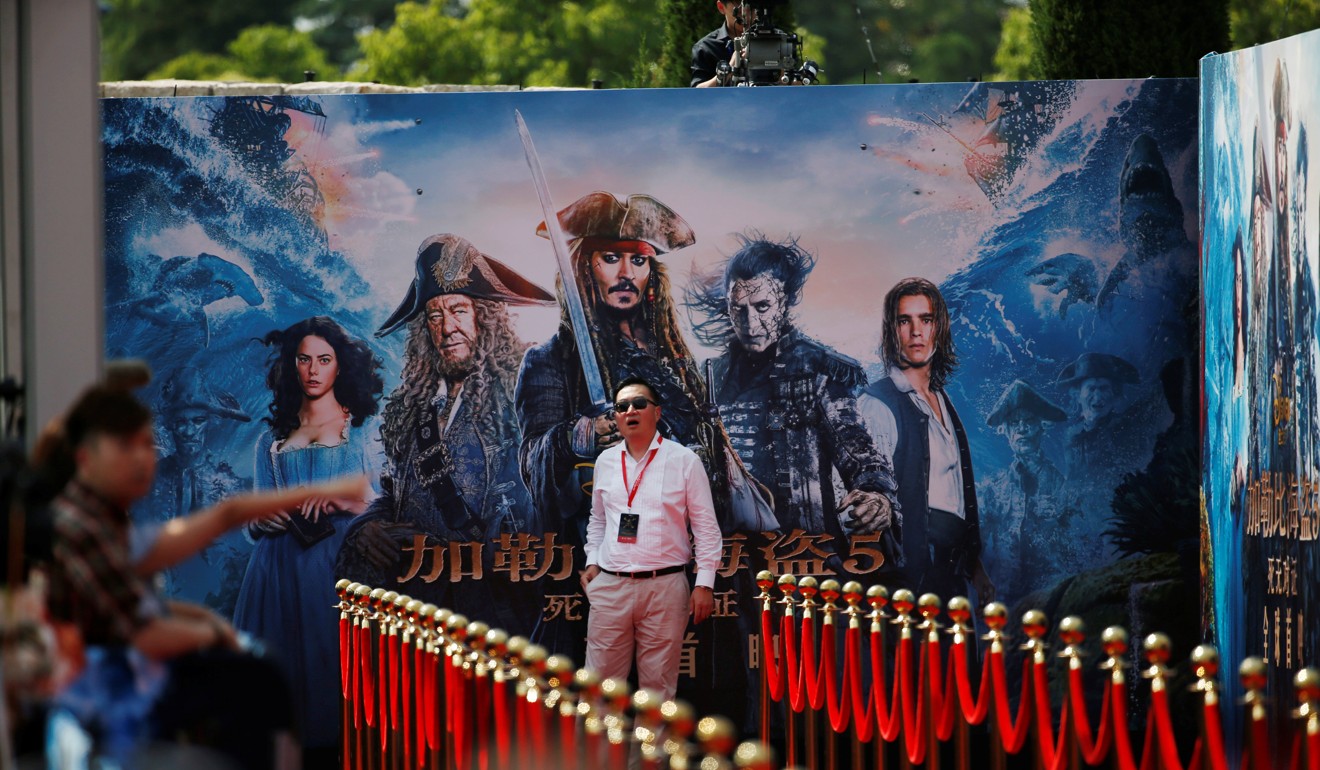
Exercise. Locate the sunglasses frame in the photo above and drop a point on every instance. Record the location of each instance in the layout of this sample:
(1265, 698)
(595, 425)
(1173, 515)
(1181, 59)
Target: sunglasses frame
(632, 406)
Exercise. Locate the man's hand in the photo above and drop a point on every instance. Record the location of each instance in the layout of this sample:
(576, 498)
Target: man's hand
(872, 511)
(276, 524)
(313, 507)
(592, 435)
(703, 603)
(589, 574)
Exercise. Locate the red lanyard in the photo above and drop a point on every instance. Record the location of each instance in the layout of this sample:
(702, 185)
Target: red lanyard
(632, 492)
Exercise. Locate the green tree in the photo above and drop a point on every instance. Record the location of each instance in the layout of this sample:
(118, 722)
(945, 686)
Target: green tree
(336, 24)
(280, 53)
(685, 22)
(199, 66)
(1260, 21)
(525, 42)
(1074, 39)
(1013, 59)
(137, 36)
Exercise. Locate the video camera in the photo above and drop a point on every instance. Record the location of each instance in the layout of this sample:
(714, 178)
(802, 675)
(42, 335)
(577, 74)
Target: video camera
(767, 55)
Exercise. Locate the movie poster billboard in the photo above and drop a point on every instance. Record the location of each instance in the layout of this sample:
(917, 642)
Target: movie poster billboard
(1259, 272)
(735, 248)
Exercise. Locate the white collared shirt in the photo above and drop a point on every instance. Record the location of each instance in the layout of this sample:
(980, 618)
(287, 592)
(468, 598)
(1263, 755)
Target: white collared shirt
(945, 488)
(673, 496)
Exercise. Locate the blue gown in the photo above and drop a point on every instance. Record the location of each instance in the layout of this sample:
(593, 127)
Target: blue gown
(288, 595)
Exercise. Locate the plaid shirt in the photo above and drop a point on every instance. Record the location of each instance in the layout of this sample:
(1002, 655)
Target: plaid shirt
(92, 582)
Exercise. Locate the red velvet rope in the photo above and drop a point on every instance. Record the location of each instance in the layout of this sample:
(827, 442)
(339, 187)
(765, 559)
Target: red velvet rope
(458, 714)
(406, 688)
(1312, 752)
(889, 714)
(863, 706)
(948, 709)
(568, 748)
(433, 692)
(540, 732)
(1012, 731)
(838, 702)
(344, 655)
(1093, 750)
(974, 711)
(368, 687)
(793, 667)
(914, 719)
(503, 722)
(1050, 752)
(1168, 746)
(383, 683)
(482, 689)
(769, 661)
(355, 676)
(419, 693)
(395, 656)
(1295, 763)
(811, 672)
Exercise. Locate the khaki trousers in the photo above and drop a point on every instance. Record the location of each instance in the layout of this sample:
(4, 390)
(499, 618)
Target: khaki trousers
(645, 615)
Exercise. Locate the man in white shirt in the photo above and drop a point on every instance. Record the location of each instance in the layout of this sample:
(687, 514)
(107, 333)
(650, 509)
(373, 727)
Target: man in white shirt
(649, 492)
(912, 421)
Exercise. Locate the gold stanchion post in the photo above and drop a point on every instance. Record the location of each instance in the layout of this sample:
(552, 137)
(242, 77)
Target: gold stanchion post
(929, 608)
(765, 580)
(787, 587)
(877, 596)
(1072, 632)
(904, 601)
(960, 613)
(1035, 625)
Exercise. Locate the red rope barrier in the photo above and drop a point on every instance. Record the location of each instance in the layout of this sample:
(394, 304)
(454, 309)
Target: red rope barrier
(406, 687)
(948, 706)
(1168, 746)
(863, 706)
(345, 660)
(811, 672)
(368, 686)
(792, 667)
(458, 714)
(838, 703)
(1119, 727)
(482, 688)
(1012, 731)
(1093, 750)
(431, 686)
(1214, 737)
(383, 677)
(1049, 750)
(395, 655)
(769, 660)
(503, 728)
(974, 711)
(1312, 751)
(889, 714)
(417, 702)
(914, 719)
(568, 748)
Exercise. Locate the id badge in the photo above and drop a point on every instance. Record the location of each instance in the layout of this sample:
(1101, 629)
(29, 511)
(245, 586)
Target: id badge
(628, 523)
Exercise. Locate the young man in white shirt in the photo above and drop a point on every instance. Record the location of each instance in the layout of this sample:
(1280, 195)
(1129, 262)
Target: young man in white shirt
(649, 492)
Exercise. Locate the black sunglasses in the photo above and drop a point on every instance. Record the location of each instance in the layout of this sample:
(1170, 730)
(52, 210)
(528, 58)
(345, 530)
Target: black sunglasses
(636, 403)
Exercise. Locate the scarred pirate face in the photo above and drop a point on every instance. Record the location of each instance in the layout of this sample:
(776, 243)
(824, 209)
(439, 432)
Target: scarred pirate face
(758, 308)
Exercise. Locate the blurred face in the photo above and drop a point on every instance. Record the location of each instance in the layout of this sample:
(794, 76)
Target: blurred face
(318, 368)
(916, 330)
(188, 428)
(452, 322)
(733, 15)
(119, 468)
(1024, 434)
(758, 308)
(637, 423)
(620, 277)
(1096, 397)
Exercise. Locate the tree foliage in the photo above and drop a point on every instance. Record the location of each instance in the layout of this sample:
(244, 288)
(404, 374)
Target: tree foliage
(266, 52)
(138, 36)
(1074, 39)
(525, 42)
(336, 24)
(1260, 21)
(1013, 59)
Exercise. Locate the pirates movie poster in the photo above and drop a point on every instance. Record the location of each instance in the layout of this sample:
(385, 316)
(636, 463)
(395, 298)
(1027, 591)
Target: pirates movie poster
(734, 247)
(1262, 436)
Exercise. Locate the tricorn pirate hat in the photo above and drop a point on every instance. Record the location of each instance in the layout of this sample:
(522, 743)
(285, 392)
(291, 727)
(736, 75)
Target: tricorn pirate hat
(450, 264)
(1019, 397)
(1091, 365)
(600, 215)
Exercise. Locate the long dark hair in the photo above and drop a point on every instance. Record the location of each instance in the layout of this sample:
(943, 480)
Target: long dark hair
(944, 359)
(357, 387)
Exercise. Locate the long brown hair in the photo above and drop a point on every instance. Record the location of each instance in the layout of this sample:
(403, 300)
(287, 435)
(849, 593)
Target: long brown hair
(944, 359)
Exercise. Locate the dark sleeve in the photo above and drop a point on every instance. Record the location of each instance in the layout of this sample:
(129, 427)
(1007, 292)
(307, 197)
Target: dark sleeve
(704, 63)
(546, 414)
(860, 464)
(100, 592)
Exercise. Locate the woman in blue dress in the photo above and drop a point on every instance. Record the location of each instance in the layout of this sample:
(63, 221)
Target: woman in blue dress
(325, 385)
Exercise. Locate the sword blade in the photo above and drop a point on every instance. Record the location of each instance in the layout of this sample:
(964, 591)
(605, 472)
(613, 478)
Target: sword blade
(572, 297)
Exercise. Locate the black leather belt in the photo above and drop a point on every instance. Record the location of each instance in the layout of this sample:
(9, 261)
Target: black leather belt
(648, 574)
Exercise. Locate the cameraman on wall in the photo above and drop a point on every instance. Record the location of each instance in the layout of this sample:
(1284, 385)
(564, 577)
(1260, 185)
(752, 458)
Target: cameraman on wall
(718, 47)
